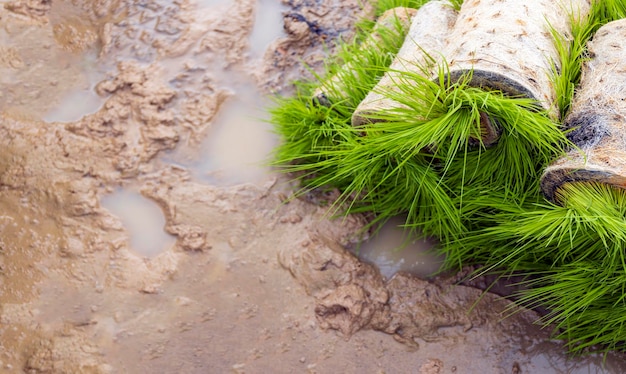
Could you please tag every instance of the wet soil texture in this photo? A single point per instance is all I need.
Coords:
(110, 99)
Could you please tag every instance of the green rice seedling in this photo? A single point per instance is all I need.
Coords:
(384, 5)
(443, 119)
(536, 232)
(604, 11)
(447, 118)
(586, 285)
(572, 48)
(312, 133)
(586, 303)
(422, 157)
(305, 126)
(325, 150)
(573, 254)
(389, 184)
(420, 160)
(571, 53)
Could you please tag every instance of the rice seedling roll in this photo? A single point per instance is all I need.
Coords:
(420, 50)
(597, 120)
(390, 23)
(508, 45)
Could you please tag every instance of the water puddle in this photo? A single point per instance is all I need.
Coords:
(78, 103)
(392, 251)
(268, 26)
(75, 106)
(239, 143)
(237, 146)
(545, 357)
(143, 219)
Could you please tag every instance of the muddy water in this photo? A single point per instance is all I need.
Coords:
(238, 146)
(79, 102)
(254, 281)
(268, 26)
(237, 142)
(143, 219)
(392, 249)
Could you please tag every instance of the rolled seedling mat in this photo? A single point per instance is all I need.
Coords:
(420, 161)
(393, 20)
(421, 49)
(508, 45)
(597, 120)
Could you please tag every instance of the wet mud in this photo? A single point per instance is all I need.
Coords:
(252, 277)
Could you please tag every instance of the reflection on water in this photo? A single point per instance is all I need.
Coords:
(392, 251)
(268, 22)
(40, 78)
(75, 106)
(238, 144)
(268, 25)
(143, 219)
(236, 148)
(548, 357)
(80, 101)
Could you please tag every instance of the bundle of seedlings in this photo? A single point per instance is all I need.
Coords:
(572, 245)
(315, 117)
(421, 48)
(458, 140)
(448, 136)
(380, 41)
(316, 131)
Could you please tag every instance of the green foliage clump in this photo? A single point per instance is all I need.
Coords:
(572, 48)
(426, 160)
(574, 252)
(421, 160)
(574, 257)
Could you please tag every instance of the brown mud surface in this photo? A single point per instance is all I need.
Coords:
(256, 282)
